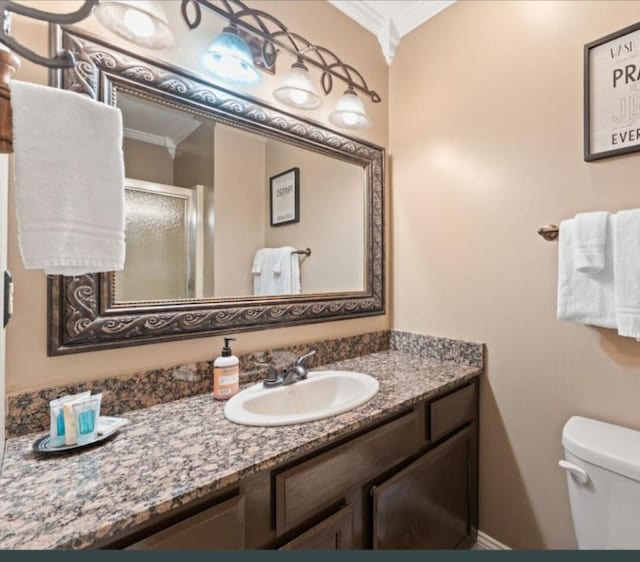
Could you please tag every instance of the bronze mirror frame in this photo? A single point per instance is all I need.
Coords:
(82, 313)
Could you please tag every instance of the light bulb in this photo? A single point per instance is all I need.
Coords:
(229, 57)
(349, 118)
(298, 96)
(296, 89)
(139, 23)
(231, 68)
(143, 22)
(349, 112)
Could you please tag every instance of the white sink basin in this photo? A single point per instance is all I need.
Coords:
(321, 395)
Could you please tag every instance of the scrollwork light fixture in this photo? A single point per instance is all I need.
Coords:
(297, 89)
(144, 23)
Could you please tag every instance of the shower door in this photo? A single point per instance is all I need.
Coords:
(164, 257)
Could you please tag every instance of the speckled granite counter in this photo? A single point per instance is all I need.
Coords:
(173, 453)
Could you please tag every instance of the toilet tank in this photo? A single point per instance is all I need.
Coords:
(605, 502)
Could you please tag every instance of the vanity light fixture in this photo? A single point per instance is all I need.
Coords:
(297, 89)
(274, 38)
(145, 23)
(230, 57)
(142, 22)
(349, 112)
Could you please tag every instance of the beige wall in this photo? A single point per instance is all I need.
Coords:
(28, 367)
(148, 162)
(239, 197)
(486, 146)
(332, 214)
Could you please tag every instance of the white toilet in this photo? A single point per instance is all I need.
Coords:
(603, 472)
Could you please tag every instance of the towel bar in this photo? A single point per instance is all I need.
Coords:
(9, 63)
(549, 232)
(306, 252)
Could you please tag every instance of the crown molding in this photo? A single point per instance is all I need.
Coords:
(389, 29)
(170, 143)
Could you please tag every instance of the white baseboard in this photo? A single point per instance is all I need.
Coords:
(485, 542)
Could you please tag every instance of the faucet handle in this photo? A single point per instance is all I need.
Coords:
(302, 358)
(272, 378)
(273, 372)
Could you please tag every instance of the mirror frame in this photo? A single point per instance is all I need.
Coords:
(82, 312)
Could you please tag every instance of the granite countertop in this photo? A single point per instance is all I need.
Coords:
(176, 452)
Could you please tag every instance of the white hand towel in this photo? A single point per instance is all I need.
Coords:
(627, 272)
(586, 298)
(69, 178)
(288, 281)
(590, 238)
(266, 270)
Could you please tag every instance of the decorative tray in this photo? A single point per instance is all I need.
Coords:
(43, 444)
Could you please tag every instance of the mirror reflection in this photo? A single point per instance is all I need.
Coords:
(215, 211)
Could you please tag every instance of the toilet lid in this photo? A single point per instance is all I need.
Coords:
(608, 446)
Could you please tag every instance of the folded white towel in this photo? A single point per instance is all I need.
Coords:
(266, 268)
(276, 271)
(586, 298)
(69, 178)
(590, 238)
(627, 272)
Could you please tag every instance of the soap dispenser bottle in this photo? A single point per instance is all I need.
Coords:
(226, 373)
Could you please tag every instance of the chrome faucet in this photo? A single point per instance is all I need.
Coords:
(297, 372)
(289, 376)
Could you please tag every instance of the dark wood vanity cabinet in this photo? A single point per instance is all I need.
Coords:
(333, 533)
(220, 527)
(432, 502)
(409, 482)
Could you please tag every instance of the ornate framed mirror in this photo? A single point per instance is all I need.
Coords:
(202, 255)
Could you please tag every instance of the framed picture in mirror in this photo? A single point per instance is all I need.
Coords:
(284, 194)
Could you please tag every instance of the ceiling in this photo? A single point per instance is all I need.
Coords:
(390, 20)
(155, 123)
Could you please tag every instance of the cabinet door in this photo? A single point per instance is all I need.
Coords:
(313, 485)
(432, 502)
(218, 528)
(334, 533)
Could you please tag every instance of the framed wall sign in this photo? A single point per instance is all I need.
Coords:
(284, 191)
(612, 94)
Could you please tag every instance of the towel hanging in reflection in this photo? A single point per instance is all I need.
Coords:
(276, 271)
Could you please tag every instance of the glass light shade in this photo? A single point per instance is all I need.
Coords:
(297, 89)
(142, 22)
(349, 112)
(229, 57)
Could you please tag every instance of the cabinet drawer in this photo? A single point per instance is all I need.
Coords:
(334, 533)
(452, 411)
(220, 527)
(312, 485)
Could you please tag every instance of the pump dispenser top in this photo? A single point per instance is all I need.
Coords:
(226, 350)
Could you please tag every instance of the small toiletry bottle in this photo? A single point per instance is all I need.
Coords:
(226, 373)
(86, 414)
(68, 423)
